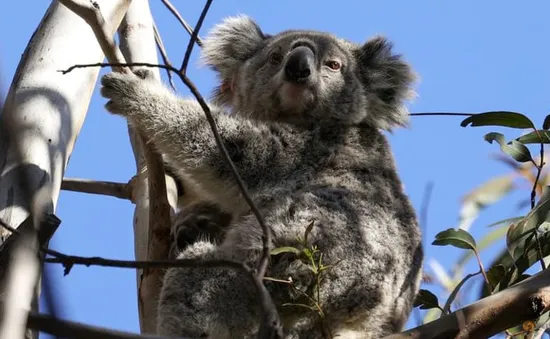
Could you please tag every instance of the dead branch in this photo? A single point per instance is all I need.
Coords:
(113, 189)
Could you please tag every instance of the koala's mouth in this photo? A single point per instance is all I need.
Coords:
(295, 97)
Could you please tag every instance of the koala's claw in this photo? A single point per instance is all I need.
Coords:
(205, 221)
(122, 90)
(144, 73)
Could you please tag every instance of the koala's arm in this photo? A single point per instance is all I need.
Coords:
(178, 128)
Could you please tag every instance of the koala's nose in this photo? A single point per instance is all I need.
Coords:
(299, 64)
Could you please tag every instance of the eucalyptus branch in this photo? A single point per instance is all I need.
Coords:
(113, 189)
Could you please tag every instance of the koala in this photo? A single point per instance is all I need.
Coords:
(301, 114)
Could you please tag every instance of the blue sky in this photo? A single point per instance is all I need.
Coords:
(472, 56)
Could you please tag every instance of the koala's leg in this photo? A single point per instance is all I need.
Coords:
(207, 302)
(201, 221)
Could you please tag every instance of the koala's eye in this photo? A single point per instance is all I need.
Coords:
(275, 58)
(334, 65)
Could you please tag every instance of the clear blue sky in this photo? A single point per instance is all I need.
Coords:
(472, 56)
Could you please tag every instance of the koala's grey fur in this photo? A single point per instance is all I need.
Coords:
(310, 153)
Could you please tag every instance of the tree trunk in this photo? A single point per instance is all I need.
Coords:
(43, 113)
(137, 43)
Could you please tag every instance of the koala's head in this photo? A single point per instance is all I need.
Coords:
(302, 76)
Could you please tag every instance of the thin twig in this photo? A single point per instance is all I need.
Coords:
(69, 329)
(271, 326)
(70, 260)
(443, 114)
(164, 55)
(194, 36)
(185, 25)
(266, 237)
(533, 196)
(119, 64)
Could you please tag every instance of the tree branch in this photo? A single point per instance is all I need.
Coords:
(113, 189)
(527, 300)
(69, 329)
(90, 12)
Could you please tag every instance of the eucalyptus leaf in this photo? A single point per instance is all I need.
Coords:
(426, 300)
(528, 258)
(539, 214)
(506, 222)
(546, 123)
(486, 241)
(514, 148)
(285, 249)
(499, 118)
(495, 274)
(504, 259)
(535, 137)
(457, 238)
(308, 231)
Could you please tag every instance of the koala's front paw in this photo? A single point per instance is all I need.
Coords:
(204, 220)
(126, 91)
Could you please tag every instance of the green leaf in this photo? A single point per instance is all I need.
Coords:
(506, 222)
(514, 148)
(452, 296)
(482, 244)
(539, 214)
(457, 238)
(535, 137)
(504, 259)
(426, 300)
(495, 274)
(529, 256)
(308, 231)
(546, 123)
(499, 118)
(285, 249)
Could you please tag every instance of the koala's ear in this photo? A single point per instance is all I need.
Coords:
(230, 43)
(388, 81)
